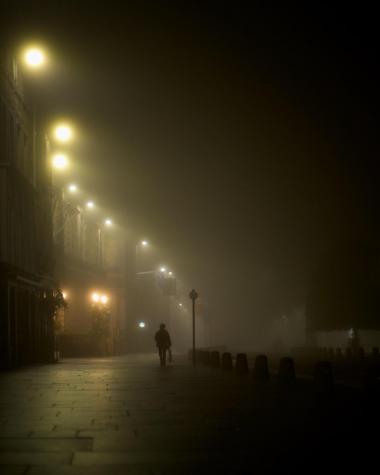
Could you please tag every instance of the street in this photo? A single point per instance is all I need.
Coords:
(85, 415)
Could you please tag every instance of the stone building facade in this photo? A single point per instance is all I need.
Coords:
(90, 262)
(26, 258)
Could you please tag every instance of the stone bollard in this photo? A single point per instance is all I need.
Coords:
(215, 359)
(286, 372)
(260, 370)
(227, 361)
(206, 358)
(241, 365)
(323, 378)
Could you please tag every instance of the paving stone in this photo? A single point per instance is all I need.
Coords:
(92, 470)
(141, 419)
(140, 457)
(47, 444)
(35, 458)
(13, 469)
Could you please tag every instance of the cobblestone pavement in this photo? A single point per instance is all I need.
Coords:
(126, 415)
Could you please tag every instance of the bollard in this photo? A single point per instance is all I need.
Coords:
(198, 356)
(227, 361)
(286, 372)
(260, 370)
(241, 365)
(323, 378)
(215, 359)
(206, 358)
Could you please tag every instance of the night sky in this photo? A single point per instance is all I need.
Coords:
(241, 140)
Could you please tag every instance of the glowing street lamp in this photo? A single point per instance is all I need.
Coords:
(90, 205)
(142, 324)
(180, 305)
(108, 222)
(144, 243)
(104, 299)
(63, 133)
(163, 269)
(95, 297)
(60, 161)
(34, 57)
(72, 188)
(170, 273)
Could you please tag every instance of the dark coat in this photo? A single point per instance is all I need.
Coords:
(162, 338)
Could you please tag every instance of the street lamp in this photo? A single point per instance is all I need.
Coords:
(163, 269)
(34, 57)
(104, 299)
(142, 324)
(95, 297)
(90, 205)
(63, 133)
(60, 161)
(108, 222)
(144, 243)
(72, 188)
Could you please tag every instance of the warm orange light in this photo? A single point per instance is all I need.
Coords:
(34, 57)
(95, 297)
(104, 299)
(63, 133)
(60, 161)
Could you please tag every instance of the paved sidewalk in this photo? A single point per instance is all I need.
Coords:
(126, 415)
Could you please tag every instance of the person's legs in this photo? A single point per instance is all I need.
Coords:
(164, 356)
(161, 352)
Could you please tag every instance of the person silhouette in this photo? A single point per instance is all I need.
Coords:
(163, 343)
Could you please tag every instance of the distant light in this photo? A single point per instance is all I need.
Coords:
(64, 295)
(104, 299)
(142, 324)
(95, 297)
(170, 273)
(163, 269)
(144, 243)
(108, 222)
(72, 188)
(60, 161)
(63, 133)
(90, 204)
(180, 304)
(34, 57)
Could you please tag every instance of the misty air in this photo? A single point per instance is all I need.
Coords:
(189, 238)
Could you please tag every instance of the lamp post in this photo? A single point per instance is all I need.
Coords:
(193, 296)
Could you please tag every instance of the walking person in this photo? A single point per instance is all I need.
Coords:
(163, 343)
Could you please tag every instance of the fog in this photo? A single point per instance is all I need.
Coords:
(242, 143)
